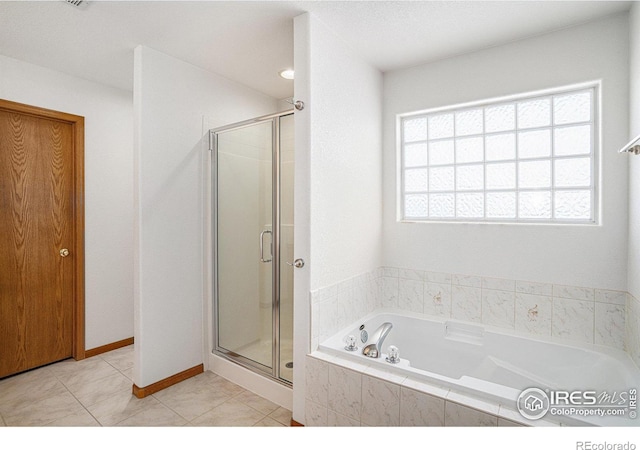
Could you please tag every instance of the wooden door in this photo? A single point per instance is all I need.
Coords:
(41, 245)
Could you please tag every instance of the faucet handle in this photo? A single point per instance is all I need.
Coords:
(393, 356)
(351, 344)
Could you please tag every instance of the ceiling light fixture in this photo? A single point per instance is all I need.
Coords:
(287, 74)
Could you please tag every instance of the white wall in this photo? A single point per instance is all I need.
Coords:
(108, 114)
(302, 212)
(634, 161)
(339, 131)
(345, 97)
(632, 340)
(172, 100)
(582, 256)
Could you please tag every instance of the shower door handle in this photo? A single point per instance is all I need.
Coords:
(262, 246)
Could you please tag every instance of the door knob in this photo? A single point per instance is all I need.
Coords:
(298, 263)
(64, 252)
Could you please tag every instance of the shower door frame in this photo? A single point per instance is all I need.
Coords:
(274, 371)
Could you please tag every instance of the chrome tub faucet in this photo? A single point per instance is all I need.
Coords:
(374, 350)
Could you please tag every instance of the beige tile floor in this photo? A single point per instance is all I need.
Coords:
(97, 392)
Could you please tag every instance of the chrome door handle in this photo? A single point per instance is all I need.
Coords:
(298, 263)
(262, 246)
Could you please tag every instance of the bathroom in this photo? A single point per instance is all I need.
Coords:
(570, 279)
(358, 254)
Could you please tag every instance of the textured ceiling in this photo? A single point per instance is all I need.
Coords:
(251, 41)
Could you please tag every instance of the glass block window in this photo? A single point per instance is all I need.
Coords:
(531, 158)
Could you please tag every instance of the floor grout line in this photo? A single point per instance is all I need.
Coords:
(86, 408)
(229, 392)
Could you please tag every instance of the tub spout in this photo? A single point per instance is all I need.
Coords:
(374, 350)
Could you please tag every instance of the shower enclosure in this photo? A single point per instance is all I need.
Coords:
(252, 169)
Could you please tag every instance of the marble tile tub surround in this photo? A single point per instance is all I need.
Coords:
(359, 395)
(581, 314)
(334, 307)
(632, 329)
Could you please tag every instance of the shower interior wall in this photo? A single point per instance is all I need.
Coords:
(248, 153)
(287, 168)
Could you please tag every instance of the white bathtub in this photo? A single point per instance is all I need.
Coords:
(490, 364)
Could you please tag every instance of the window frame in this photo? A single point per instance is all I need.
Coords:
(595, 151)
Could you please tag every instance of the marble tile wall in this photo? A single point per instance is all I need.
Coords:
(580, 314)
(334, 307)
(586, 315)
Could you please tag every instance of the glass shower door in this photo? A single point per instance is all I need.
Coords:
(253, 165)
(245, 243)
